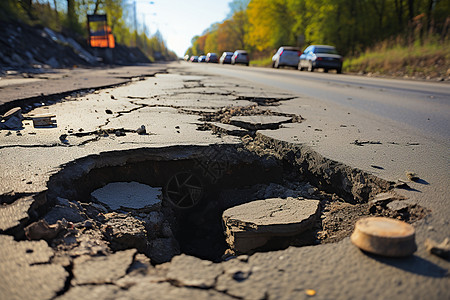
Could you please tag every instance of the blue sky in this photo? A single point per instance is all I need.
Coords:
(180, 20)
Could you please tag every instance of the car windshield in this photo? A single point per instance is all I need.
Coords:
(325, 50)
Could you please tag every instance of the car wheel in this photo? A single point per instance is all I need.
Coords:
(247, 64)
(310, 67)
(339, 71)
(325, 70)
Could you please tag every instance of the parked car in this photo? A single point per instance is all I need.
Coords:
(286, 56)
(193, 58)
(240, 57)
(202, 58)
(186, 57)
(212, 58)
(226, 58)
(320, 56)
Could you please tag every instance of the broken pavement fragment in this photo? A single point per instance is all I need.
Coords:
(102, 269)
(259, 122)
(128, 195)
(44, 120)
(190, 271)
(12, 119)
(250, 226)
(25, 270)
(384, 236)
(17, 213)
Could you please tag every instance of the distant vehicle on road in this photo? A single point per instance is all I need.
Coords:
(202, 58)
(286, 56)
(186, 57)
(194, 58)
(240, 57)
(212, 58)
(320, 56)
(226, 58)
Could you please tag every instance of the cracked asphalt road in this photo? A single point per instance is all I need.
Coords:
(171, 106)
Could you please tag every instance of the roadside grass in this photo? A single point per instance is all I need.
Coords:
(262, 62)
(428, 60)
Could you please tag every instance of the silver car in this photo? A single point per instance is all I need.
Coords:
(286, 56)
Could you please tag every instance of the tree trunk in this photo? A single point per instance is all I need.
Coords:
(71, 18)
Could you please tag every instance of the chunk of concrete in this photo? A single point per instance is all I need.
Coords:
(259, 122)
(15, 214)
(252, 225)
(128, 196)
(228, 129)
(65, 209)
(193, 272)
(125, 232)
(26, 272)
(102, 269)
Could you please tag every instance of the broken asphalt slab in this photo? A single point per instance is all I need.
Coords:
(335, 271)
(60, 83)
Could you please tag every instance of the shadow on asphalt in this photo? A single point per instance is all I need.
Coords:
(412, 264)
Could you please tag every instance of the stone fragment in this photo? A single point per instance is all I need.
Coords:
(141, 130)
(193, 272)
(125, 232)
(252, 225)
(65, 209)
(397, 205)
(259, 122)
(42, 230)
(412, 176)
(128, 196)
(26, 272)
(439, 249)
(384, 236)
(102, 269)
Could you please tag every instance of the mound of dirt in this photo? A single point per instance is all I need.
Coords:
(34, 49)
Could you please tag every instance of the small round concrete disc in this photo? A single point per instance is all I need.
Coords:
(384, 236)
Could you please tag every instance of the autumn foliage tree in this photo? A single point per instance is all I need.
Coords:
(351, 25)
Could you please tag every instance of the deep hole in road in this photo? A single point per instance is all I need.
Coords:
(199, 183)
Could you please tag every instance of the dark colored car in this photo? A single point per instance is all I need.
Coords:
(286, 56)
(320, 57)
(226, 58)
(193, 58)
(212, 58)
(202, 58)
(240, 57)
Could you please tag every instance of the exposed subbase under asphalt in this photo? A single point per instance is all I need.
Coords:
(198, 184)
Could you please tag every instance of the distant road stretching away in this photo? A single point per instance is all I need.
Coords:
(423, 106)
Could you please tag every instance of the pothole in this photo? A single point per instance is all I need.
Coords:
(198, 186)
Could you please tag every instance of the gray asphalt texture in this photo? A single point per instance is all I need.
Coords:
(162, 103)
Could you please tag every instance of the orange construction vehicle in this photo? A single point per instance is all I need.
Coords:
(100, 35)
